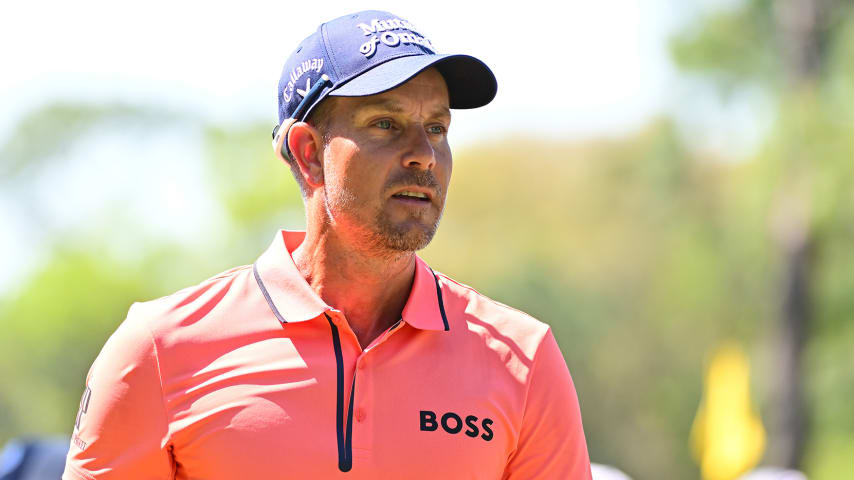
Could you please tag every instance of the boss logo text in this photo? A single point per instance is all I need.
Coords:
(453, 424)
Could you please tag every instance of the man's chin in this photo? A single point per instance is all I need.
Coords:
(406, 238)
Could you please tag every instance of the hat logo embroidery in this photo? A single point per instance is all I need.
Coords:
(389, 38)
(310, 65)
(307, 87)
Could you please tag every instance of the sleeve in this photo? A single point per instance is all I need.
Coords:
(551, 441)
(121, 429)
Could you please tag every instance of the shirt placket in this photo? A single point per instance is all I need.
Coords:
(359, 425)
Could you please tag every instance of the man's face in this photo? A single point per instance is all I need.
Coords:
(387, 164)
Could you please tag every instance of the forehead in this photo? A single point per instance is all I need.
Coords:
(426, 91)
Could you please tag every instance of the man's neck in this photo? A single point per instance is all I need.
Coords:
(370, 289)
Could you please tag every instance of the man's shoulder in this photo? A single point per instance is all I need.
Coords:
(194, 303)
(490, 317)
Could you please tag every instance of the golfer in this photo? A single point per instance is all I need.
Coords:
(340, 353)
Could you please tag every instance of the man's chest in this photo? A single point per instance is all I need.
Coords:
(305, 408)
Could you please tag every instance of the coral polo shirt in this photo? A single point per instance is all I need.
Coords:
(251, 375)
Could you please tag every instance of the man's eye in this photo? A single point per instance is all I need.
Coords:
(436, 129)
(384, 124)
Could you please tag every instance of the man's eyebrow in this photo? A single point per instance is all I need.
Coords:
(442, 111)
(395, 107)
(382, 104)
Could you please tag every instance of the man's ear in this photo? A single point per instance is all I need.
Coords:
(306, 144)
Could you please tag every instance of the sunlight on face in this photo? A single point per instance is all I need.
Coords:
(387, 164)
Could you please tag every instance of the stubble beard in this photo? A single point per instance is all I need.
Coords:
(404, 237)
(380, 235)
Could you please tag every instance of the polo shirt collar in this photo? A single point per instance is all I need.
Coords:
(292, 299)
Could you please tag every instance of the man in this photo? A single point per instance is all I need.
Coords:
(340, 353)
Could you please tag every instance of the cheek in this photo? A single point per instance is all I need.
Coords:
(353, 185)
(361, 181)
(444, 167)
(339, 158)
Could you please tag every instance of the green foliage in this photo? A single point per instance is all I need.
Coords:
(257, 192)
(734, 47)
(52, 129)
(52, 331)
(801, 175)
(254, 187)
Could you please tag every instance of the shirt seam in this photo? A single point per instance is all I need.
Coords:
(166, 416)
(528, 383)
(330, 54)
(487, 298)
(230, 272)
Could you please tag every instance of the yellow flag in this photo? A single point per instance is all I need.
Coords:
(727, 436)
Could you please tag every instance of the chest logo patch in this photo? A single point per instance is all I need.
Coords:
(454, 423)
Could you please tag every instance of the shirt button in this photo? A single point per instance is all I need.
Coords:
(360, 414)
(361, 365)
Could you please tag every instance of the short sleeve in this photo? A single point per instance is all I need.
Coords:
(121, 429)
(551, 440)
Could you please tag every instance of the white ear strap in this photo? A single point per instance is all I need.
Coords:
(280, 139)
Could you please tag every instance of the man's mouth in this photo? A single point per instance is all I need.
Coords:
(410, 195)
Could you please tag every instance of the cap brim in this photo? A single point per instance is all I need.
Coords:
(471, 83)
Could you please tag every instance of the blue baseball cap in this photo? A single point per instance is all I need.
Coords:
(368, 53)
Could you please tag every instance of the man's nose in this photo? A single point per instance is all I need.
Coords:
(420, 152)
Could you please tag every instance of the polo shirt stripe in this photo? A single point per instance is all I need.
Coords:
(267, 294)
(348, 440)
(441, 302)
(345, 446)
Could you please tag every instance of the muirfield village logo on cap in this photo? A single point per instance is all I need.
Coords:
(386, 32)
(388, 37)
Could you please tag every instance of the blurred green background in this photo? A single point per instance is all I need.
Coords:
(644, 251)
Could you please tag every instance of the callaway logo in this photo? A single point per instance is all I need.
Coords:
(388, 37)
(311, 65)
(307, 87)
